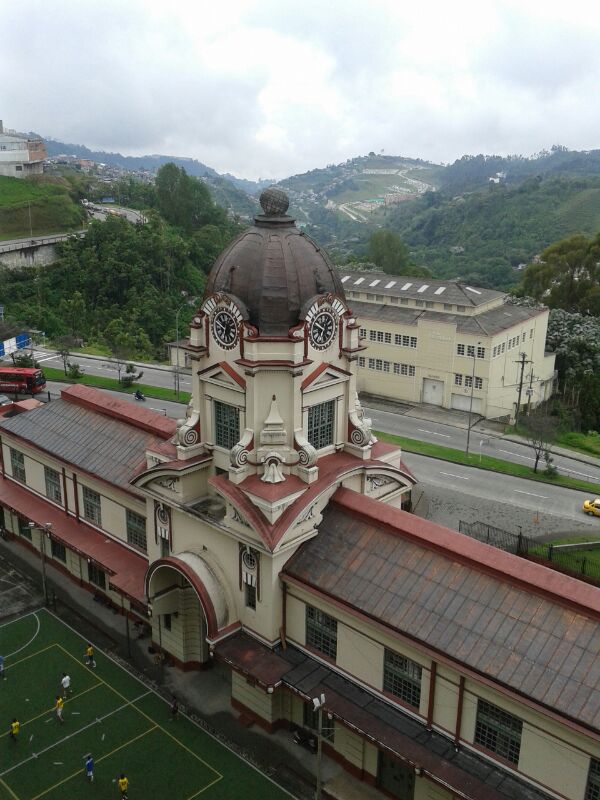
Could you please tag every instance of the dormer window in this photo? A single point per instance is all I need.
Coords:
(320, 424)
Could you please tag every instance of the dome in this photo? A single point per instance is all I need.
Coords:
(274, 269)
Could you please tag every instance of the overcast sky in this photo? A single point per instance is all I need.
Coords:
(270, 89)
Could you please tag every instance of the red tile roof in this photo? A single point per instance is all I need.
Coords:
(125, 567)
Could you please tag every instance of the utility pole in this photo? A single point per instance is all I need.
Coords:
(318, 703)
(522, 361)
(529, 392)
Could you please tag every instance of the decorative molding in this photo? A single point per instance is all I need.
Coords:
(188, 429)
(307, 455)
(237, 517)
(377, 481)
(238, 457)
(360, 433)
(172, 484)
(273, 472)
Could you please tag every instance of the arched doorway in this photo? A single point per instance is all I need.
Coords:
(189, 607)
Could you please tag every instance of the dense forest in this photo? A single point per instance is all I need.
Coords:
(122, 284)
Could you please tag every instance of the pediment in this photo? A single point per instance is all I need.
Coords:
(223, 374)
(324, 375)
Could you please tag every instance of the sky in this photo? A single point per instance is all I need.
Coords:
(270, 89)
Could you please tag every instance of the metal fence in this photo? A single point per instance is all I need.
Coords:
(579, 564)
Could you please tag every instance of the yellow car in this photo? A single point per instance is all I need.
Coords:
(592, 507)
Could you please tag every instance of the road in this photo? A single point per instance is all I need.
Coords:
(401, 424)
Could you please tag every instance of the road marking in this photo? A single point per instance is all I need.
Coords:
(433, 433)
(517, 455)
(542, 496)
(48, 358)
(452, 475)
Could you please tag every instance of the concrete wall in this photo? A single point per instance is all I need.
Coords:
(29, 256)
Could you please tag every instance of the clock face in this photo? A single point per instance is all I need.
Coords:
(224, 328)
(322, 330)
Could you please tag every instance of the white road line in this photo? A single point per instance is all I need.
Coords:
(518, 455)
(433, 433)
(541, 496)
(452, 475)
(48, 358)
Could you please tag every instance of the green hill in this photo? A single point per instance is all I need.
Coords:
(37, 206)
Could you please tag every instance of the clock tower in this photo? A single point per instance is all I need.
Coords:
(273, 429)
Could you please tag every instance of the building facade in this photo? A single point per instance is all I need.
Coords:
(20, 156)
(269, 529)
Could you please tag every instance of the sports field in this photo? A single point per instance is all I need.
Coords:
(127, 728)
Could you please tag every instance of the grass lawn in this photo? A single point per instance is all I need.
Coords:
(485, 462)
(578, 561)
(119, 720)
(160, 393)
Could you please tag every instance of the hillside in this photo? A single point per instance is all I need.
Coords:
(37, 205)
(484, 236)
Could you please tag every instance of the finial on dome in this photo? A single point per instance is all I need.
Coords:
(274, 202)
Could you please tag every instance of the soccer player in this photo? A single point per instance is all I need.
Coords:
(14, 729)
(89, 656)
(89, 767)
(59, 708)
(123, 784)
(174, 708)
(65, 682)
(2, 675)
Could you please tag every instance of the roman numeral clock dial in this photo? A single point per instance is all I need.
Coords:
(322, 322)
(225, 323)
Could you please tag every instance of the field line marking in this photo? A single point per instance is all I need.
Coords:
(98, 760)
(96, 721)
(33, 655)
(208, 786)
(49, 710)
(37, 619)
(9, 790)
(17, 619)
(208, 733)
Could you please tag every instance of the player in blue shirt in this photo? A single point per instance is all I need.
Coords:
(89, 767)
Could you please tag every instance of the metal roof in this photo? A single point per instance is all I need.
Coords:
(534, 644)
(416, 288)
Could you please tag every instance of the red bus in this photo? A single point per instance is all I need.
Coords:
(22, 380)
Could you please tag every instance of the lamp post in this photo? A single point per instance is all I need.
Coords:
(188, 302)
(44, 532)
(471, 398)
(318, 703)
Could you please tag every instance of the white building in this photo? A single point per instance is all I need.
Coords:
(20, 156)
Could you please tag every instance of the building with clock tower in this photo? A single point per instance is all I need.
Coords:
(273, 429)
(269, 530)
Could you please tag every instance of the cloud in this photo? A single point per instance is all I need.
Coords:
(271, 89)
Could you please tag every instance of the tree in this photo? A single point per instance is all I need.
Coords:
(130, 377)
(388, 252)
(64, 345)
(541, 430)
(73, 313)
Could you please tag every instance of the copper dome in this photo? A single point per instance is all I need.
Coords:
(274, 269)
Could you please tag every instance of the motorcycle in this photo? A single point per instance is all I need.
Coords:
(306, 739)
(139, 396)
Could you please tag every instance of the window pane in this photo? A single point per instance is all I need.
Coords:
(91, 506)
(321, 632)
(17, 462)
(96, 576)
(53, 489)
(58, 550)
(136, 529)
(498, 731)
(320, 424)
(250, 595)
(402, 678)
(227, 425)
(593, 785)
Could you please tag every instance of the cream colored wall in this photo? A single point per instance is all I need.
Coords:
(426, 790)
(267, 706)
(551, 753)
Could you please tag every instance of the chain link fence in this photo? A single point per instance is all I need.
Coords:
(578, 564)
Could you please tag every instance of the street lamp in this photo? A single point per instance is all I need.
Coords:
(44, 532)
(471, 399)
(318, 703)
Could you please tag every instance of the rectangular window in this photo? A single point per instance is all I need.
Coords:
(371, 363)
(370, 296)
(167, 622)
(53, 490)
(373, 336)
(386, 366)
(91, 506)
(428, 304)
(362, 361)
(404, 301)
(394, 300)
(419, 303)
(471, 350)
(379, 298)
(249, 596)
(96, 576)
(498, 731)
(478, 383)
(531, 334)
(17, 462)
(468, 381)
(460, 349)
(24, 529)
(523, 336)
(387, 338)
(402, 678)
(165, 548)
(321, 632)
(362, 333)
(592, 791)
(460, 308)
(481, 352)
(503, 346)
(136, 529)
(58, 550)
(411, 370)
(447, 306)
(320, 424)
(378, 364)
(458, 379)
(227, 425)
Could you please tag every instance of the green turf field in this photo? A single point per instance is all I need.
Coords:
(126, 727)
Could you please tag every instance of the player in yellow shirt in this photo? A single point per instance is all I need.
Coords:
(14, 729)
(59, 708)
(89, 656)
(123, 784)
